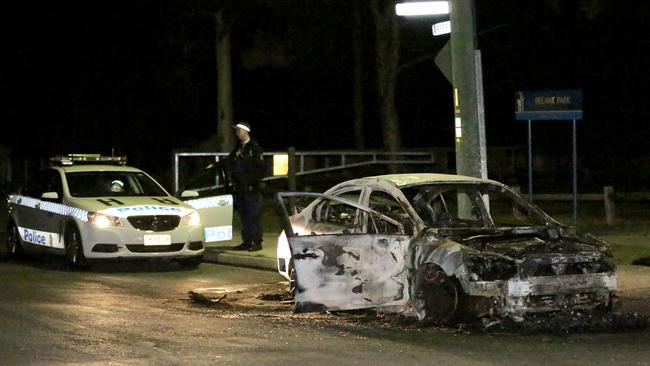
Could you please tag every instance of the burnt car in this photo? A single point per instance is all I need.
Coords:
(439, 248)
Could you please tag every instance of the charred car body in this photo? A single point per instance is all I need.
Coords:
(437, 247)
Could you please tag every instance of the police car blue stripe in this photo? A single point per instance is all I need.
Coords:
(57, 208)
(209, 202)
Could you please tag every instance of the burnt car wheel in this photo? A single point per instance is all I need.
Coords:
(292, 280)
(74, 253)
(442, 296)
(14, 248)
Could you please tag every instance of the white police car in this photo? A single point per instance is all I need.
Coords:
(94, 207)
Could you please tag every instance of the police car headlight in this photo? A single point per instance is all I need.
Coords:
(103, 221)
(193, 219)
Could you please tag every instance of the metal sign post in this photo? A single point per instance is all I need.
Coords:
(530, 162)
(575, 174)
(550, 105)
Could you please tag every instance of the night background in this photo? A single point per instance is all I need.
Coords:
(139, 78)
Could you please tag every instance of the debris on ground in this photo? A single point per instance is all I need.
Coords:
(275, 297)
(572, 322)
(275, 301)
(202, 299)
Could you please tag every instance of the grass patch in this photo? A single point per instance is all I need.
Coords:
(628, 248)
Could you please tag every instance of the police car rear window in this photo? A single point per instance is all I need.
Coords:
(112, 184)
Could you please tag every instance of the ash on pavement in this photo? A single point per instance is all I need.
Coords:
(273, 301)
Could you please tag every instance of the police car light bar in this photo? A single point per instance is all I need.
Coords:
(72, 159)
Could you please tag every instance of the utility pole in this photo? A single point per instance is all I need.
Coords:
(467, 83)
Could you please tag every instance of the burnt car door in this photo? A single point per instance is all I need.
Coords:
(346, 256)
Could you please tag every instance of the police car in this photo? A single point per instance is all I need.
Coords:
(94, 207)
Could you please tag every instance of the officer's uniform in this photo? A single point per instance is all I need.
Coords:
(246, 168)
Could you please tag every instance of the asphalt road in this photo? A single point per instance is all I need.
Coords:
(140, 314)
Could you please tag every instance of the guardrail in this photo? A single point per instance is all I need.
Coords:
(302, 163)
(608, 197)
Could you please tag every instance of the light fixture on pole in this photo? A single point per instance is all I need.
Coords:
(422, 8)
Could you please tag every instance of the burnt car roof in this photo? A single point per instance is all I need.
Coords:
(408, 179)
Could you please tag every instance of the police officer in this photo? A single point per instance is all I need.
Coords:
(246, 169)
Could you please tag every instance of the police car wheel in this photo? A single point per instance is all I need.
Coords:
(74, 253)
(14, 249)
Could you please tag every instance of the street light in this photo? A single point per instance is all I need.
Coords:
(467, 80)
(422, 8)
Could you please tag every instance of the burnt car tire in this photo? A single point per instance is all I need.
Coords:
(442, 297)
(14, 247)
(292, 280)
(74, 253)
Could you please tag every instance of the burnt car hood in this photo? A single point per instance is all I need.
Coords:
(520, 242)
(502, 253)
(513, 272)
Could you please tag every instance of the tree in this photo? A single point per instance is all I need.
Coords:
(223, 24)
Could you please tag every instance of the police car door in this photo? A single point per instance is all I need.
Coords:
(215, 209)
(216, 216)
(343, 255)
(38, 218)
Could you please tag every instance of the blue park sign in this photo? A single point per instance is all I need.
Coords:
(548, 105)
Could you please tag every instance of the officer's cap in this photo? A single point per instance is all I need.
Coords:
(243, 125)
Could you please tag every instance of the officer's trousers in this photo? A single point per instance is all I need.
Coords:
(249, 206)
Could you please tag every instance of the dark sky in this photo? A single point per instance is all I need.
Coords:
(139, 76)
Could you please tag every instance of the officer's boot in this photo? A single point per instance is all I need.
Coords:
(255, 246)
(243, 246)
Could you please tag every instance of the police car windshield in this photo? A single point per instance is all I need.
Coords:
(107, 184)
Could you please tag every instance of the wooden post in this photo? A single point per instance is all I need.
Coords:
(291, 175)
(610, 209)
(26, 169)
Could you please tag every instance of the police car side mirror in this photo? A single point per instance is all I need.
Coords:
(188, 194)
(50, 196)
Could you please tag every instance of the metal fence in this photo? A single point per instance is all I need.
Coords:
(306, 162)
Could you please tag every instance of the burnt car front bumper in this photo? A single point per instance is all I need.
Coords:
(516, 297)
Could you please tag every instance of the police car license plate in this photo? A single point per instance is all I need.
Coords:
(157, 239)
